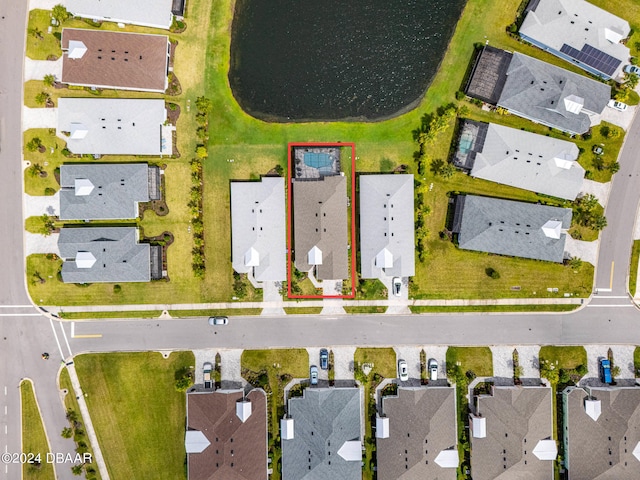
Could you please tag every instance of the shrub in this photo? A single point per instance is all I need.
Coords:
(460, 95)
(492, 273)
(117, 289)
(586, 135)
(49, 191)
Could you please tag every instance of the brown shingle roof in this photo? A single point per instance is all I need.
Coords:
(116, 60)
(238, 451)
(422, 423)
(602, 449)
(320, 219)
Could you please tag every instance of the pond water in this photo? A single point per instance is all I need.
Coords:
(294, 60)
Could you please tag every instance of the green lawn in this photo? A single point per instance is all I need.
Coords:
(302, 310)
(128, 314)
(636, 360)
(477, 359)
(137, 413)
(34, 439)
(384, 366)
(566, 357)
(70, 403)
(272, 370)
(363, 310)
(494, 308)
(231, 312)
(633, 267)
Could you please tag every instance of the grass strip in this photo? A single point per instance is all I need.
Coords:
(34, 438)
(493, 308)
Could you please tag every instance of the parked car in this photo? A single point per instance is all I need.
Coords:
(218, 320)
(634, 69)
(621, 107)
(433, 369)
(397, 285)
(313, 375)
(324, 359)
(206, 370)
(605, 371)
(403, 371)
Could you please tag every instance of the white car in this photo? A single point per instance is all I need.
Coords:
(633, 69)
(433, 369)
(621, 107)
(403, 371)
(397, 286)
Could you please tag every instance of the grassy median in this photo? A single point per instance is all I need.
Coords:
(34, 438)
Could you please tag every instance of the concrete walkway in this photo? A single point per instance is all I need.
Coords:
(587, 251)
(43, 4)
(86, 418)
(39, 118)
(37, 69)
(315, 303)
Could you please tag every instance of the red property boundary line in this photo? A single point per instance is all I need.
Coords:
(290, 147)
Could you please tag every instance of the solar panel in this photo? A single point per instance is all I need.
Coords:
(593, 57)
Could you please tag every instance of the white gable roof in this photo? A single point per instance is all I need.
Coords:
(552, 229)
(286, 428)
(573, 103)
(195, 441)
(85, 259)
(382, 427)
(384, 259)
(636, 451)
(251, 258)
(593, 408)
(83, 187)
(479, 426)
(314, 257)
(351, 451)
(546, 450)
(243, 409)
(77, 49)
(448, 458)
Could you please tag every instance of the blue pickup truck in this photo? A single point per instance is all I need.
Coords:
(605, 371)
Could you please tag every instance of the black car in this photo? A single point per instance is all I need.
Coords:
(324, 359)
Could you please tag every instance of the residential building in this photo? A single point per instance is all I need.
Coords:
(320, 235)
(113, 126)
(520, 159)
(258, 230)
(226, 436)
(105, 59)
(106, 191)
(416, 435)
(512, 434)
(506, 227)
(538, 91)
(387, 238)
(321, 435)
(578, 32)
(107, 254)
(146, 13)
(601, 433)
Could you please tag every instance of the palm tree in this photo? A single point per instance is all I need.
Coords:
(59, 13)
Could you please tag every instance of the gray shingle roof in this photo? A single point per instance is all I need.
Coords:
(258, 223)
(511, 228)
(149, 13)
(517, 418)
(576, 22)
(112, 126)
(529, 161)
(320, 220)
(543, 92)
(612, 438)
(111, 254)
(113, 192)
(422, 423)
(386, 222)
(324, 419)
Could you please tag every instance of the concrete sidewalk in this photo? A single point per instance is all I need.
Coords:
(316, 303)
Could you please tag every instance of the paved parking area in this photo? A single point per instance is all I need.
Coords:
(35, 243)
(35, 206)
(411, 355)
(37, 69)
(202, 356)
(343, 362)
(621, 119)
(622, 357)
(230, 367)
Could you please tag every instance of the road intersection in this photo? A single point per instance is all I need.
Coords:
(25, 332)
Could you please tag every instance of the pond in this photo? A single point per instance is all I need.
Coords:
(302, 60)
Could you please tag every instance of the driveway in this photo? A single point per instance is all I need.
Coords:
(314, 359)
(230, 368)
(43, 4)
(587, 251)
(411, 355)
(271, 297)
(35, 243)
(39, 118)
(622, 357)
(502, 364)
(37, 69)
(202, 356)
(621, 119)
(529, 359)
(343, 362)
(439, 353)
(597, 189)
(35, 206)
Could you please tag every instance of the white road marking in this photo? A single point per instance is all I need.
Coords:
(53, 328)
(64, 334)
(5, 389)
(20, 315)
(16, 306)
(598, 290)
(612, 296)
(73, 329)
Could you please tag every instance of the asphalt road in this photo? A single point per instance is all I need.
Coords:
(617, 237)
